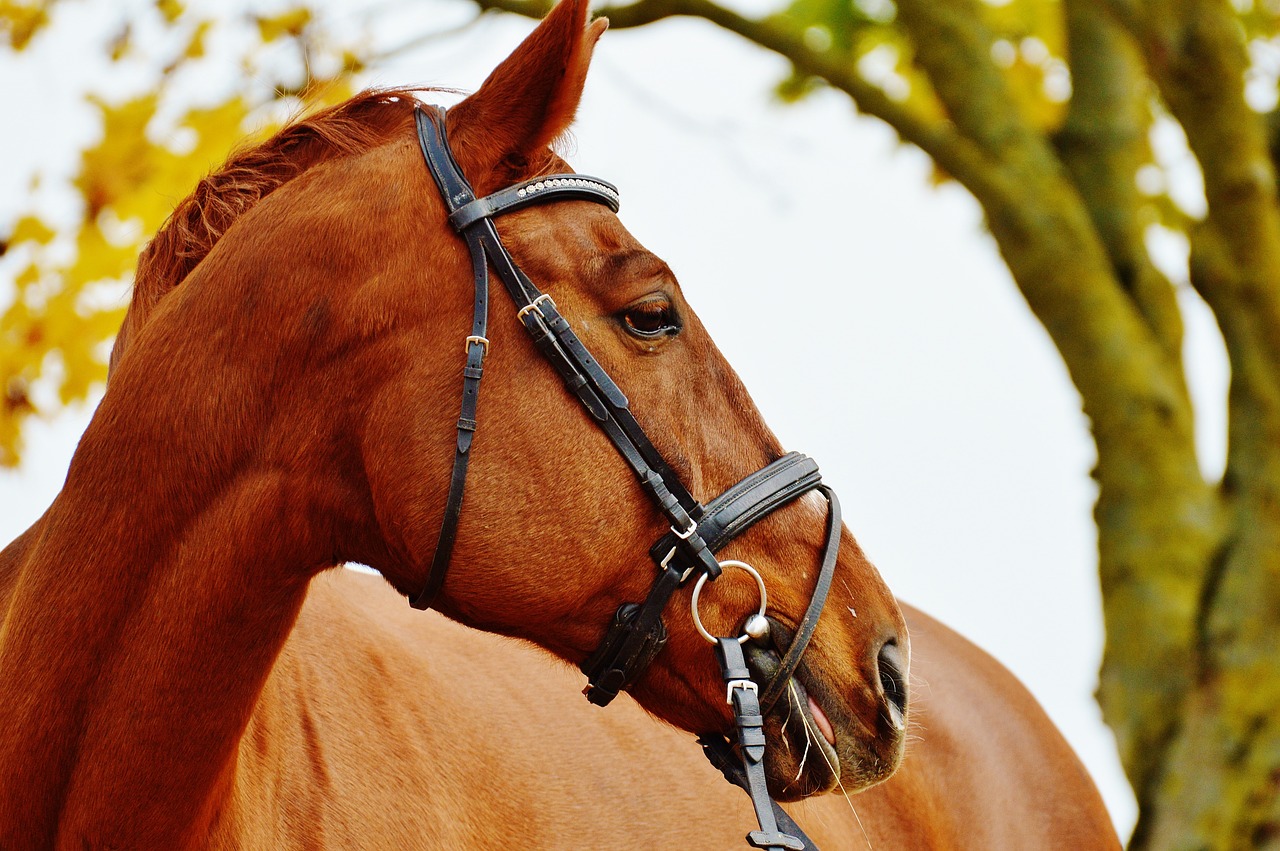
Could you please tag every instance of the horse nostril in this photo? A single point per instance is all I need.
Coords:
(892, 682)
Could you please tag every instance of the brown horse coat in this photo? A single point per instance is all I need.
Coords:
(484, 742)
(276, 408)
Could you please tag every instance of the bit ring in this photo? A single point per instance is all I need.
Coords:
(702, 580)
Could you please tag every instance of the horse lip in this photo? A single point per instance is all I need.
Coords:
(764, 663)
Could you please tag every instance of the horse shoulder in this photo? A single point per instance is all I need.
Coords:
(985, 767)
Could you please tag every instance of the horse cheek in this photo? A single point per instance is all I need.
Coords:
(406, 467)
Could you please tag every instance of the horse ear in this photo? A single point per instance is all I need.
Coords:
(530, 98)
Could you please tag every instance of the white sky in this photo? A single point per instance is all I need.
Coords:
(866, 309)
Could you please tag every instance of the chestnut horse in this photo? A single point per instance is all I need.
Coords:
(290, 406)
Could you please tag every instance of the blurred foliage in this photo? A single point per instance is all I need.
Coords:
(68, 278)
(865, 34)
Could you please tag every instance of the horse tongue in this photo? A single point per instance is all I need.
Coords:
(824, 724)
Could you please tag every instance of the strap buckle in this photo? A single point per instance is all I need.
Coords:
(747, 685)
(684, 536)
(687, 533)
(483, 341)
(535, 305)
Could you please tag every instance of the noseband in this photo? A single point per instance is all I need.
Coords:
(636, 634)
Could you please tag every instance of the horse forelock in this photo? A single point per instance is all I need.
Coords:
(249, 175)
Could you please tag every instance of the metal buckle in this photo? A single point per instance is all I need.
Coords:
(684, 536)
(748, 685)
(533, 305)
(687, 533)
(481, 340)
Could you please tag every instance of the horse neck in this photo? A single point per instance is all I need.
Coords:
(131, 657)
(11, 559)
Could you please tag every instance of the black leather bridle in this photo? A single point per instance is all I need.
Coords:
(636, 634)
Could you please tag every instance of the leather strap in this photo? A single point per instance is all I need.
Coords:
(477, 347)
(749, 726)
(551, 187)
(808, 623)
(720, 753)
(741, 506)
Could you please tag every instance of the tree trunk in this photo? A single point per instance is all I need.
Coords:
(1190, 569)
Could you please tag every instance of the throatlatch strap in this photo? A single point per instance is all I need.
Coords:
(749, 725)
(477, 346)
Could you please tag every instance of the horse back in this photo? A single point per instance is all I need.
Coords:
(483, 742)
(985, 767)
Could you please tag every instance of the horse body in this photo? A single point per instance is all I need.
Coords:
(274, 408)
(483, 742)
(466, 739)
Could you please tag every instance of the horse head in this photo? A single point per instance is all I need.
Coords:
(326, 334)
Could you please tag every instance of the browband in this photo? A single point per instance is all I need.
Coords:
(554, 187)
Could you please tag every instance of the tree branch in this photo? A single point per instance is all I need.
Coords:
(1103, 143)
(952, 152)
(1195, 52)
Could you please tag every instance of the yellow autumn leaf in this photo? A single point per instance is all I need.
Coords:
(121, 159)
(195, 44)
(27, 276)
(288, 23)
(171, 10)
(31, 228)
(19, 22)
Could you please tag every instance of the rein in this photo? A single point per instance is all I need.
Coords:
(636, 634)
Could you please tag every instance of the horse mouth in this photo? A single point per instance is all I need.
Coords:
(816, 741)
(802, 759)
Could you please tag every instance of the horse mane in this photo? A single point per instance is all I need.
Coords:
(249, 175)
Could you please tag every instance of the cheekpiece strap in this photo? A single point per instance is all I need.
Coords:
(808, 623)
(749, 727)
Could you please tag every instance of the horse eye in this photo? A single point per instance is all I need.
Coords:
(650, 319)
